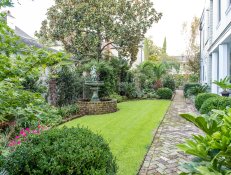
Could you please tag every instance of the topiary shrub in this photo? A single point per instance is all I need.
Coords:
(201, 98)
(189, 86)
(169, 82)
(164, 93)
(62, 151)
(219, 103)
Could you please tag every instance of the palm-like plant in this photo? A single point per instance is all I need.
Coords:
(159, 70)
(224, 84)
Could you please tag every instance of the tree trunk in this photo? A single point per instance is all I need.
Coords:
(99, 47)
(52, 92)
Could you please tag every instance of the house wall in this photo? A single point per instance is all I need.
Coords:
(216, 42)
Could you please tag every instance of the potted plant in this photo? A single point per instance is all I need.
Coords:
(224, 84)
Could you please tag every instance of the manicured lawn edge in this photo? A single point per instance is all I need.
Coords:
(155, 132)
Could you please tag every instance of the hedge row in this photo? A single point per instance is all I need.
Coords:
(206, 102)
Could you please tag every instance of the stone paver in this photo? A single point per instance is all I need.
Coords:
(163, 156)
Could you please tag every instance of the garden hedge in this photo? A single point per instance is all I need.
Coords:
(164, 93)
(201, 98)
(219, 103)
(62, 151)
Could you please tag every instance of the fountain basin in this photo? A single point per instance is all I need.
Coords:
(96, 108)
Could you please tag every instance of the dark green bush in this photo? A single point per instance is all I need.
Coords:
(219, 103)
(62, 151)
(189, 86)
(169, 82)
(128, 89)
(201, 98)
(69, 110)
(69, 85)
(164, 93)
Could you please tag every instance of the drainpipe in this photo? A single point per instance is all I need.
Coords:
(200, 54)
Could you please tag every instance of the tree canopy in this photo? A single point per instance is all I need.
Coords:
(88, 28)
(193, 48)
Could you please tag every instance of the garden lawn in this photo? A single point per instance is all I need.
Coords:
(128, 131)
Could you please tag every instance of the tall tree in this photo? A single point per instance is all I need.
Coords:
(164, 48)
(193, 48)
(151, 51)
(88, 28)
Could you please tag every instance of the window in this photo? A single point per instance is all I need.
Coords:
(219, 10)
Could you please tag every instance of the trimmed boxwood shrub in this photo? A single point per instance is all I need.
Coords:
(201, 98)
(62, 151)
(219, 103)
(189, 86)
(164, 93)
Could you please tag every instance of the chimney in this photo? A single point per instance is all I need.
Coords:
(10, 20)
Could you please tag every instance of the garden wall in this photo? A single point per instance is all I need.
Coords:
(95, 108)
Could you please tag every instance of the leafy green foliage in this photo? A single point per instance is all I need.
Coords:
(219, 103)
(6, 3)
(189, 86)
(118, 97)
(128, 89)
(212, 149)
(18, 63)
(164, 93)
(224, 83)
(158, 70)
(194, 91)
(62, 151)
(201, 98)
(68, 111)
(87, 32)
(169, 82)
(69, 85)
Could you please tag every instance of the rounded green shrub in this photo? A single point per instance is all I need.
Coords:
(164, 93)
(169, 82)
(201, 98)
(62, 151)
(219, 103)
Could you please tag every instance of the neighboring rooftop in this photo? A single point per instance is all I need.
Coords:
(26, 38)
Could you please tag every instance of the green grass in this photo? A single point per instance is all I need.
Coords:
(128, 131)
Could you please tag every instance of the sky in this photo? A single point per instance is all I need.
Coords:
(29, 15)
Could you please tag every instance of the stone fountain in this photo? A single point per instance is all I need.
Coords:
(94, 84)
(95, 106)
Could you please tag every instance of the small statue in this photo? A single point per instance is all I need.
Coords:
(93, 73)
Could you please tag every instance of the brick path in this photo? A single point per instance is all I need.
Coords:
(164, 158)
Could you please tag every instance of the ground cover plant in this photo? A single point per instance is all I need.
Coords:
(128, 131)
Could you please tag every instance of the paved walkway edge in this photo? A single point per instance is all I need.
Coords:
(155, 132)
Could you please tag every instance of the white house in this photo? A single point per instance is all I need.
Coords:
(215, 39)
